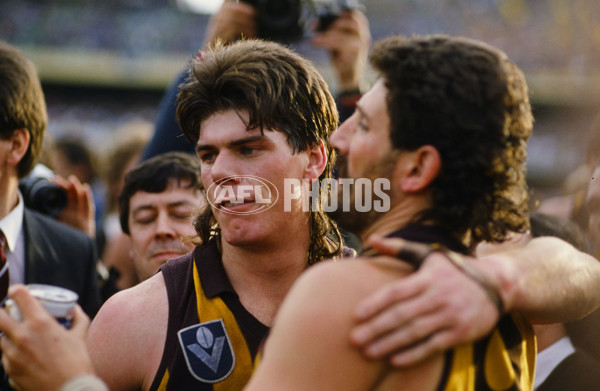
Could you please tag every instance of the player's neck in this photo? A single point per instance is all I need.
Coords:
(262, 277)
(8, 194)
(400, 214)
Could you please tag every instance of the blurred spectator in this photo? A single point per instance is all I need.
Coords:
(125, 154)
(584, 332)
(592, 205)
(167, 134)
(37, 248)
(572, 204)
(116, 257)
(348, 40)
(568, 353)
(71, 156)
(560, 364)
(159, 199)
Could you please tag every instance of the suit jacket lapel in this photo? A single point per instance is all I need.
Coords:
(39, 254)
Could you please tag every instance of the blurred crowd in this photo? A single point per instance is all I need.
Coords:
(105, 178)
(563, 33)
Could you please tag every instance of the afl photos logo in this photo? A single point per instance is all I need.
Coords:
(242, 194)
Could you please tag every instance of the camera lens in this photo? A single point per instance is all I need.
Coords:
(43, 196)
(279, 19)
(278, 9)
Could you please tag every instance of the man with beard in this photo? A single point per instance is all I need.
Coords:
(447, 123)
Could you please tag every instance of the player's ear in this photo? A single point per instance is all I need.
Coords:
(17, 148)
(423, 166)
(317, 160)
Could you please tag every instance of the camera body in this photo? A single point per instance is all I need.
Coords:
(284, 20)
(279, 20)
(327, 11)
(41, 194)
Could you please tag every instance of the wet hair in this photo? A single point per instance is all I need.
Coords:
(155, 175)
(281, 91)
(22, 104)
(471, 103)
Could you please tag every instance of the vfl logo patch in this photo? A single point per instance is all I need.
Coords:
(207, 351)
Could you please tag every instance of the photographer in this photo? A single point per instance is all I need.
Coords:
(67, 200)
(347, 39)
(36, 248)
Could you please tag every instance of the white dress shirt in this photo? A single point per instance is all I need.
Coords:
(12, 226)
(549, 358)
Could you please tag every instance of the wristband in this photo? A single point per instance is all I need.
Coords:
(412, 253)
(84, 383)
(474, 274)
(415, 254)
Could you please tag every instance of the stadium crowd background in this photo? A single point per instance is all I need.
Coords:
(105, 64)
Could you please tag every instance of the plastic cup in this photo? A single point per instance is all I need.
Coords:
(59, 302)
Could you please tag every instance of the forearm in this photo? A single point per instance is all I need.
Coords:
(547, 280)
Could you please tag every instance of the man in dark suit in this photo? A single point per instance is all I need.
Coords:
(57, 254)
(39, 249)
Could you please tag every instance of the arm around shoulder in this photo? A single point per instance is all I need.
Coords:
(547, 280)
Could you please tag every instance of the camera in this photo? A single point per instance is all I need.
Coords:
(328, 11)
(284, 20)
(279, 20)
(41, 194)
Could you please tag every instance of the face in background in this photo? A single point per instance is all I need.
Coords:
(226, 148)
(72, 157)
(593, 207)
(364, 151)
(160, 225)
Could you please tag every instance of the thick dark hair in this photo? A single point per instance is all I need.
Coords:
(281, 92)
(154, 175)
(471, 103)
(22, 104)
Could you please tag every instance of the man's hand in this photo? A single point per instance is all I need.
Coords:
(38, 353)
(432, 309)
(348, 40)
(232, 21)
(80, 210)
